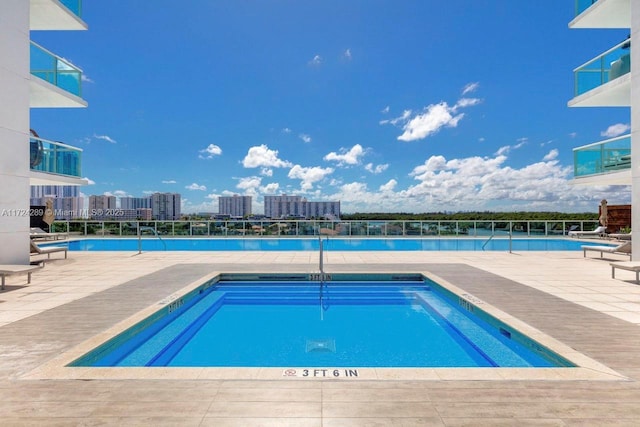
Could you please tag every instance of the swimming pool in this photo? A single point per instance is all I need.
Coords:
(294, 321)
(331, 244)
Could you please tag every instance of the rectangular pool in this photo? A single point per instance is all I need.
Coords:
(350, 321)
(331, 244)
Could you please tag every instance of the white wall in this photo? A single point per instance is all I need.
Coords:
(14, 132)
(635, 128)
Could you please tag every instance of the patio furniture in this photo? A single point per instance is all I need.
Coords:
(601, 231)
(623, 248)
(626, 265)
(48, 250)
(10, 269)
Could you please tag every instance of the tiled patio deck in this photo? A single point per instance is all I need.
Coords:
(560, 293)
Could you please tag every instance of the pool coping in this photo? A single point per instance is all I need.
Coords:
(587, 369)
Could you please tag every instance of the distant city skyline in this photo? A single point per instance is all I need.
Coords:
(385, 106)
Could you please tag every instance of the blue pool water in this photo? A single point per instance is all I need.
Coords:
(333, 244)
(286, 324)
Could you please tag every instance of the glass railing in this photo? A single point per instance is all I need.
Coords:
(55, 70)
(74, 6)
(601, 157)
(609, 66)
(582, 5)
(55, 157)
(310, 228)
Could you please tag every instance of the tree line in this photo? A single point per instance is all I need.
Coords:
(470, 216)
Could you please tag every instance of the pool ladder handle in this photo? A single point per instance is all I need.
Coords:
(154, 231)
(494, 234)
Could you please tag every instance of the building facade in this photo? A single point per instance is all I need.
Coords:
(32, 77)
(235, 206)
(298, 207)
(165, 206)
(135, 202)
(611, 79)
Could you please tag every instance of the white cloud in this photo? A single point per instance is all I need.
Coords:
(90, 181)
(266, 172)
(105, 138)
(351, 157)
(86, 79)
(169, 181)
(507, 148)
(481, 139)
(616, 130)
(470, 87)
(389, 186)
(433, 117)
(195, 186)
(347, 54)
(317, 60)
(551, 155)
(249, 183)
(304, 137)
(271, 188)
(403, 118)
(309, 176)
(481, 183)
(286, 130)
(467, 102)
(376, 169)
(430, 122)
(385, 110)
(209, 152)
(262, 156)
(573, 134)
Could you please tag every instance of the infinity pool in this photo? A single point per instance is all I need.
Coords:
(332, 244)
(402, 322)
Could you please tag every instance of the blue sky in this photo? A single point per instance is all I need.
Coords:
(387, 106)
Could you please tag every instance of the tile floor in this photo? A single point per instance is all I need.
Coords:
(564, 295)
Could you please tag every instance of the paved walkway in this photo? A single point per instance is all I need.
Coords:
(560, 293)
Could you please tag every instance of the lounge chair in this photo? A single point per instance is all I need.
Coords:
(601, 231)
(48, 250)
(39, 233)
(623, 248)
(621, 236)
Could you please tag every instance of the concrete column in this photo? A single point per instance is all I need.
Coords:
(635, 129)
(14, 132)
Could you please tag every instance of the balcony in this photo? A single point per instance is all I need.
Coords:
(56, 15)
(604, 81)
(54, 163)
(602, 14)
(54, 82)
(606, 162)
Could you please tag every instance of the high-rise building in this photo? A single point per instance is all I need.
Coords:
(101, 207)
(298, 207)
(611, 79)
(284, 206)
(329, 210)
(33, 77)
(165, 206)
(234, 206)
(135, 202)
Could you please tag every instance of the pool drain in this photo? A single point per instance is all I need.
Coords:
(321, 346)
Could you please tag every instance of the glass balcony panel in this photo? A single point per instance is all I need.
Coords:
(582, 5)
(54, 157)
(55, 70)
(602, 157)
(612, 64)
(74, 6)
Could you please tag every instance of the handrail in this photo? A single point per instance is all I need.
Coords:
(126, 226)
(494, 234)
(141, 229)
